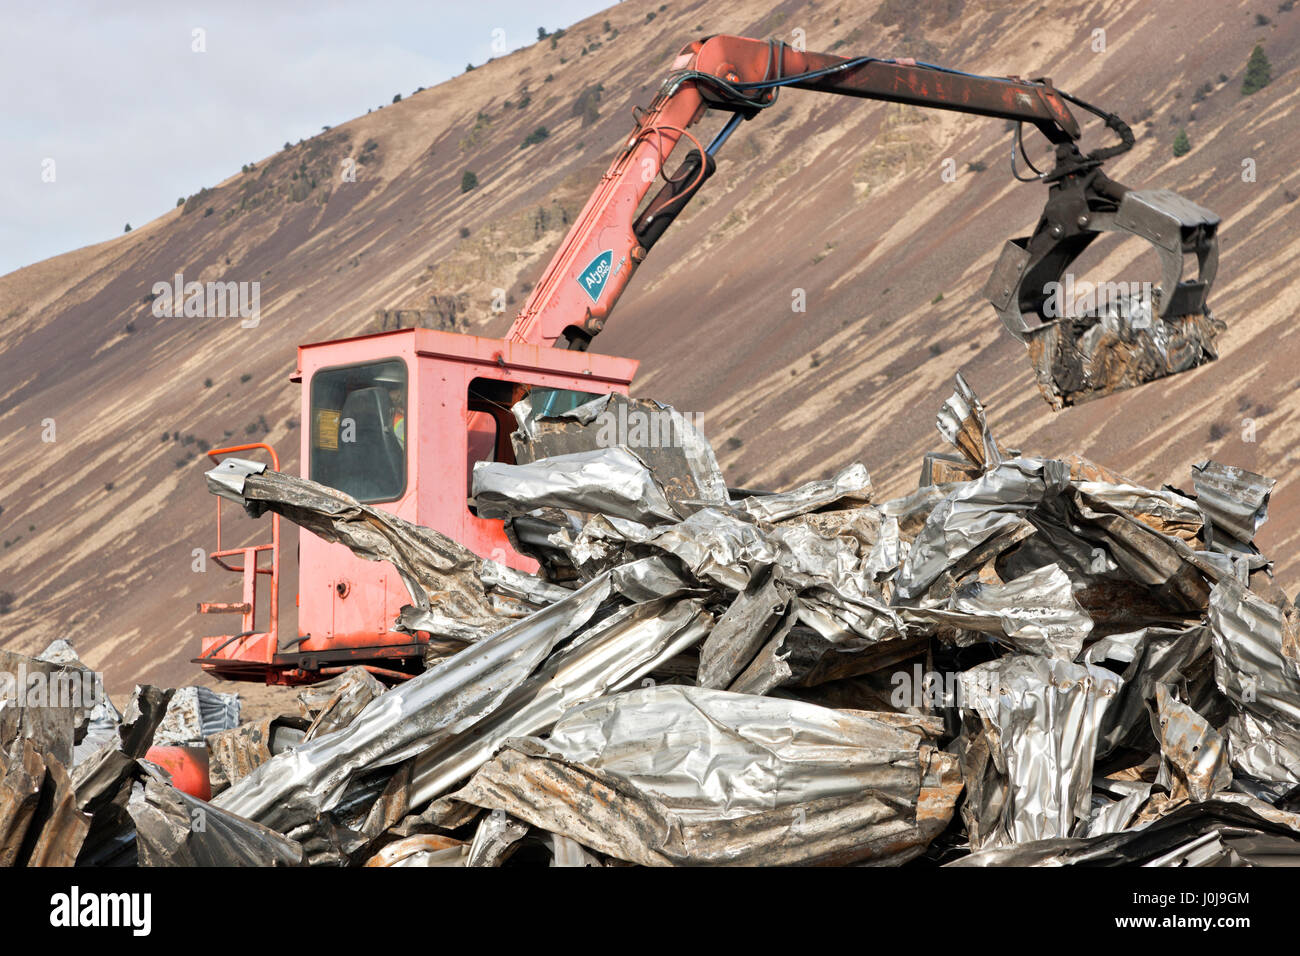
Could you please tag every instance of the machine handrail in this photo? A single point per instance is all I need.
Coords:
(249, 569)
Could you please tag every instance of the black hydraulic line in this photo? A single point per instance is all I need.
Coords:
(223, 644)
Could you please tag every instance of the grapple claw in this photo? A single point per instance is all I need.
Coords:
(1085, 344)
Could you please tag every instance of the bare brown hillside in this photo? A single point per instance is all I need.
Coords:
(840, 198)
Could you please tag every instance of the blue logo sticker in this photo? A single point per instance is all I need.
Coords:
(596, 274)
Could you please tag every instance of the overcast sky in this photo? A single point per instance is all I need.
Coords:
(133, 118)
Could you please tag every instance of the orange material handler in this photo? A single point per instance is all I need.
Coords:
(398, 419)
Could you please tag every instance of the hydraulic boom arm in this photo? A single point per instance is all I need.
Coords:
(613, 233)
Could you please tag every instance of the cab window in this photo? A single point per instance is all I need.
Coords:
(358, 429)
(548, 402)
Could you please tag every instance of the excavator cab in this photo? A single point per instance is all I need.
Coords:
(396, 420)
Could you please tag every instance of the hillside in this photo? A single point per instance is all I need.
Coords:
(841, 198)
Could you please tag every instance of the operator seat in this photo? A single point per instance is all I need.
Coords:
(372, 466)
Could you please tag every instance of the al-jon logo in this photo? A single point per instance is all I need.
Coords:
(594, 277)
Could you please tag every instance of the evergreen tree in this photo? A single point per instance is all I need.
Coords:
(1258, 72)
(1181, 145)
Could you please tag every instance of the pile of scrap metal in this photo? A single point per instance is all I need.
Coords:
(1026, 661)
(79, 784)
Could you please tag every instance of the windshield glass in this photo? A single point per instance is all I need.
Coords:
(358, 429)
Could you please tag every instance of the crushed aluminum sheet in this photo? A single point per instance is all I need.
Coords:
(40, 823)
(838, 551)
(974, 512)
(1253, 670)
(422, 850)
(1234, 816)
(944, 468)
(446, 700)
(527, 591)
(193, 714)
(567, 852)
(497, 836)
(176, 829)
(93, 727)
(1146, 553)
(234, 754)
(45, 701)
(1162, 510)
(66, 826)
(609, 657)
(95, 827)
(1194, 755)
(610, 481)
(1078, 359)
(1234, 502)
(681, 775)
(21, 777)
(963, 423)
(800, 656)
(666, 441)
(647, 578)
(1115, 806)
(1035, 614)
(716, 546)
(741, 631)
(1042, 716)
(1127, 657)
(851, 485)
(332, 704)
(1143, 659)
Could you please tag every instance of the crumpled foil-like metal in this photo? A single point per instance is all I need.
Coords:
(851, 485)
(1194, 755)
(963, 423)
(176, 829)
(1145, 659)
(1231, 816)
(422, 850)
(193, 714)
(1123, 698)
(1035, 614)
(1253, 668)
(1235, 504)
(717, 547)
(332, 704)
(974, 512)
(1079, 359)
(741, 631)
(610, 481)
(1041, 716)
(664, 440)
(234, 754)
(607, 657)
(682, 775)
(294, 786)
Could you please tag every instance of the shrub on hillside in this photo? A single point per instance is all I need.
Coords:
(536, 136)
